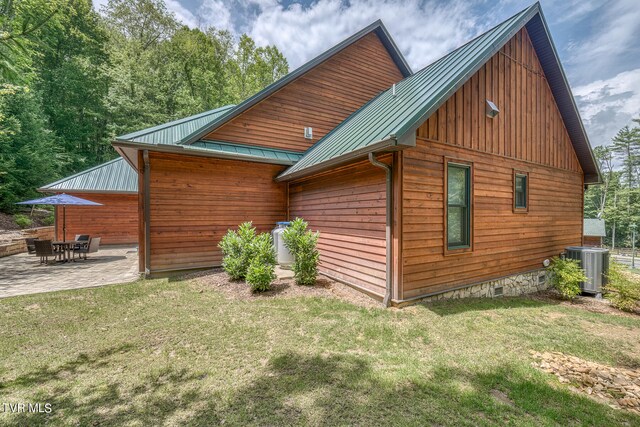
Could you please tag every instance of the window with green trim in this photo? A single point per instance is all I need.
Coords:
(520, 191)
(458, 206)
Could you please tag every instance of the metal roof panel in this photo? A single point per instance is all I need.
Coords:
(114, 176)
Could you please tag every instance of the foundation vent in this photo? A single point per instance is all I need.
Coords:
(498, 291)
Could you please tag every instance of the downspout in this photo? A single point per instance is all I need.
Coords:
(147, 214)
(389, 223)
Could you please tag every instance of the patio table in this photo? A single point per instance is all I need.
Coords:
(64, 248)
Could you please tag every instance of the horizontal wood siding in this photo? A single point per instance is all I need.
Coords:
(321, 99)
(347, 206)
(195, 200)
(527, 135)
(529, 126)
(116, 222)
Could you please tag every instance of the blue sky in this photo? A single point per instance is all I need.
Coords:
(597, 40)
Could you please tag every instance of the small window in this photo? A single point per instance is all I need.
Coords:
(458, 206)
(520, 191)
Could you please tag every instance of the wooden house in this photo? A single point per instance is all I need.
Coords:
(114, 184)
(451, 180)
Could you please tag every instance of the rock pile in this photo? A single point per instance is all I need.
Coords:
(619, 387)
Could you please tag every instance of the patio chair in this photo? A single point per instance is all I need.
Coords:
(84, 238)
(31, 248)
(92, 247)
(44, 249)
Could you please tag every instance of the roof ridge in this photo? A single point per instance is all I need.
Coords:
(376, 26)
(147, 131)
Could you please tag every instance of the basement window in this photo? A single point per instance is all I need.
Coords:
(520, 191)
(458, 215)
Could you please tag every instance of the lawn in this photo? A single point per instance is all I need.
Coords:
(174, 352)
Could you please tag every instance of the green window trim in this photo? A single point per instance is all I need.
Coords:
(458, 217)
(520, 191)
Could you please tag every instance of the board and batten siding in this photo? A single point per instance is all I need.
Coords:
(321, 98)
(527, 135)
(347, 207)
(115, 222)
(195, 200)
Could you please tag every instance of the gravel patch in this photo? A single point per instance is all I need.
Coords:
(618, 387)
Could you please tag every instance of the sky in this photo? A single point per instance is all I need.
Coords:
(597, 41)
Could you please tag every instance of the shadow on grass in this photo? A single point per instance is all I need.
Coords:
(303, 389)
(458, 306)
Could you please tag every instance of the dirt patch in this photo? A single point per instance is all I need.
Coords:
(502, 397)
(281, 288)
(38, 217)
(618, 387)
(602, 306)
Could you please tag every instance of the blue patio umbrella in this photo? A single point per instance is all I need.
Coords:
(63, 200)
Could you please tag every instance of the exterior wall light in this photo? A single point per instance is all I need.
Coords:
(492, 110)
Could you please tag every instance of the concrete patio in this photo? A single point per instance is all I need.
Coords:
(23, 274)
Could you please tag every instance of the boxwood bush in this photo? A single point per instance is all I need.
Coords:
(23, 221)
(302, 245)
(261, 271)
(623, 290)
(566, 276)
(237, 250)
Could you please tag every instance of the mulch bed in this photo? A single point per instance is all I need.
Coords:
(281, 288)
(617, 387)
(588, 303)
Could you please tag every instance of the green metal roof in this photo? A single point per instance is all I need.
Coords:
(281, 156)
(174, 132)
(115, 176)
(390, 121)
(376, 27)
(594, 227)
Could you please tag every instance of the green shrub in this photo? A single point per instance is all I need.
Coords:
(23, 221)
(261, 271)
(566, 276)
(623, 289)
(49, 220)
(237, 250)
(302, 245)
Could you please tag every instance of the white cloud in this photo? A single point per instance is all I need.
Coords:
(424, 30)
(610, 43)
(183, 14)
(608, 105)
(215, 13)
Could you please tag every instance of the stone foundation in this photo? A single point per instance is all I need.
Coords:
(519, 284)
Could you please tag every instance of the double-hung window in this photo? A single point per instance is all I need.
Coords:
(458, 217)
(520, 191)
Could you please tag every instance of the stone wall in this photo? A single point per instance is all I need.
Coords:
(19, 245)
(519, 284)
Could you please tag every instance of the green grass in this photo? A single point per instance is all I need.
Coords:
(167, 353)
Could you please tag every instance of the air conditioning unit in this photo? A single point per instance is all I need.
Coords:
(595, 263)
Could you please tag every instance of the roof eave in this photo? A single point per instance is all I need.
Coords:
(198, 152)
(79, 190)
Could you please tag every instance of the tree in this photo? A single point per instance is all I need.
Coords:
(29, 154)
(20, 23)
(72, 81)
(626, 145)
